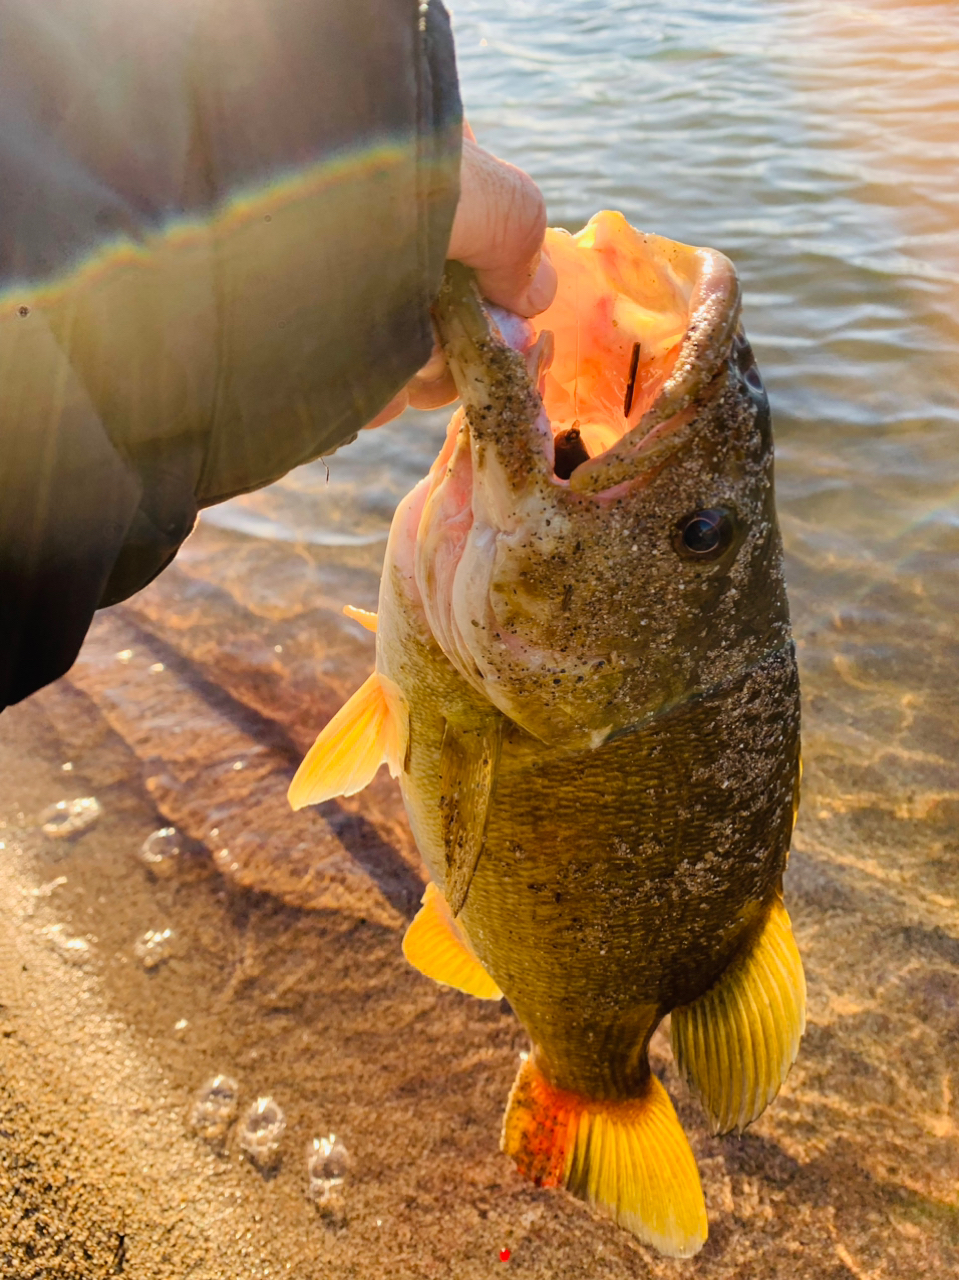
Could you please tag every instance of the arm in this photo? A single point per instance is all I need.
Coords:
(222, 227)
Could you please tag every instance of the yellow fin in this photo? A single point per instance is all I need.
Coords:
(362, 616)
(630, 1160)
(736, 1043)
(371, 728)
(434, 944)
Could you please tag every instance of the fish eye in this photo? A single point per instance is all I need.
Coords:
(705, 535)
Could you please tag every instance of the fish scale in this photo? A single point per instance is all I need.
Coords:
(692, 864)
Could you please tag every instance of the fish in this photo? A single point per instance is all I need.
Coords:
(586, 686)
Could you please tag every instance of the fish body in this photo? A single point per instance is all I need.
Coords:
(585, 673)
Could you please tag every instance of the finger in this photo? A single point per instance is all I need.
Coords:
(498, 230)
(433, 392)
(435, 366)
(390, 411)
(432, 385)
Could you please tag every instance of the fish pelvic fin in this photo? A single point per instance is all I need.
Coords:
(370, 729)
(436, 945)
(630, 1160)
(736, 1043)
(363, 616)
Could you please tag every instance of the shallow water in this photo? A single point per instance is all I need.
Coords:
(818, 145)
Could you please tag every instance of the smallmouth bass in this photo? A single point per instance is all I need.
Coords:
(586, 686)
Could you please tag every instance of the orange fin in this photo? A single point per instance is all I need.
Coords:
(736, 1043)
(435, 944)
(630, 1160)
(371, 728)
(362, 616)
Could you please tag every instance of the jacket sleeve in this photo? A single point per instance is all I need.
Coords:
(222, 226)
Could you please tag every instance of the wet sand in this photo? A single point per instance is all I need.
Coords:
(287, 968)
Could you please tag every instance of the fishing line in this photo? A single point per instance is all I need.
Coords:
(631, 380)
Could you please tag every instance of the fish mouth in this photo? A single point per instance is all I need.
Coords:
(642, 328)
(631, 351)
(558, 417)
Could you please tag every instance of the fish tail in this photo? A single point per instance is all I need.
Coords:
(630, 1160)
(368, 730)
(736, 1043)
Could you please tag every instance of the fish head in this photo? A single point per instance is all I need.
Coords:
(597, 541)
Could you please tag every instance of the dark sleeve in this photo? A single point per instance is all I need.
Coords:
(222, 225)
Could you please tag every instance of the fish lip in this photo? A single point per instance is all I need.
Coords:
(504, 413)
(473, 333)
(695, 381)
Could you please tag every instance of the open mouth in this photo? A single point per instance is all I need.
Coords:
(628, 362)
(641, 326)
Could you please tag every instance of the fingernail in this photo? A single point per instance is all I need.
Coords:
(435, 366)
(542, 289)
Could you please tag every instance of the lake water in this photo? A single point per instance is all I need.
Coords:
(817, 144)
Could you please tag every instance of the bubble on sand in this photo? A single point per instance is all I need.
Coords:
(73, 950)
(180, 1028)
(327, 1164)
(70, 817)
(162, 851)
(261, 1130)
(153, 947)
(45, 890)
(328, 1159)
(214, 1108)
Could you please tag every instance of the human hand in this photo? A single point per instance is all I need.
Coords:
(498, 230)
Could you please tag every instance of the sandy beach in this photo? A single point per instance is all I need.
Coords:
(285, 973)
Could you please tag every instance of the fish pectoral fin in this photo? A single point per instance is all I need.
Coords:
(469, 759)
(630, 1160)
(736, 1043)
(435, 944)
(363, 616)
(370, 729)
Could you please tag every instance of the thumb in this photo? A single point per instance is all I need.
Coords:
(498, 231)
